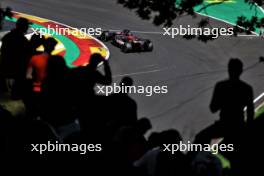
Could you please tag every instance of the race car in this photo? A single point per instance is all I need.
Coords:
(126, 41)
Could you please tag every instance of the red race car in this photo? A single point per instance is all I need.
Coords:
(127, 41)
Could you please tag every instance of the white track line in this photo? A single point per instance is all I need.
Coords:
(245, 35)
(139, 32)
(233, 24)
(259, 97)
(255, 101)
(260, 7)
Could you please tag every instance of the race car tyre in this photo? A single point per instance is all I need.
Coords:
(127, 47)
(105, 36)
(148, 45)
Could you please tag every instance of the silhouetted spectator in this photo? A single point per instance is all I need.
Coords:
(230, 97)
(172, 164)
(126, 114)
(57, 105)
(35, 42)
(37, 68)
(15, 56)
(131, 140)
(83, 80)
(23, 133)
(37, 73)
(148, 162)
(157, 162)
(206, 163)
(86, 77)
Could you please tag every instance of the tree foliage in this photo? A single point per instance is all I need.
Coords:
(164, 12)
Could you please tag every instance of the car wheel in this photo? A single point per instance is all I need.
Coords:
(105, 36)
(127, 47)
(148, 46)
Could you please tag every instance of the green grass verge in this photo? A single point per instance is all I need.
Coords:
(259, 111)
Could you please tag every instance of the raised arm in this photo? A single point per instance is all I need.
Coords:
(107, 78)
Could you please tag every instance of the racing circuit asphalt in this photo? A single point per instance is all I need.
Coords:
(189, 68)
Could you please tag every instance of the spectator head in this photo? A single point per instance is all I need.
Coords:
(154, 140)
(22, 25)
(143, 125)
(36, 41)
(126, 81)
(50, 44)
(56, 67)
(170, 137)
(95, 59)
(235, 68)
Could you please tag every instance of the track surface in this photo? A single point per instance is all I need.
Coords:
(190, 69)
